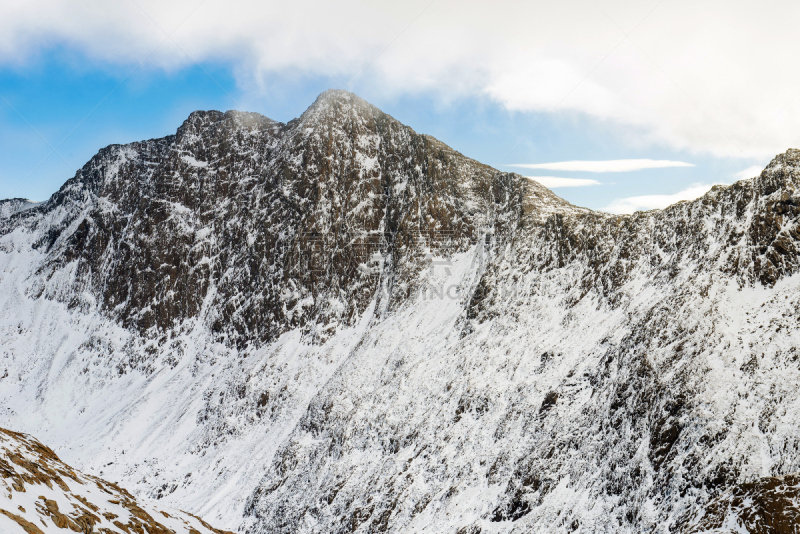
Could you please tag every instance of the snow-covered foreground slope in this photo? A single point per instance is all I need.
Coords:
(339, 325)
(39, 494)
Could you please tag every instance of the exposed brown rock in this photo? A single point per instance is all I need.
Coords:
(26, 525)
(766, 506)
(26, 464)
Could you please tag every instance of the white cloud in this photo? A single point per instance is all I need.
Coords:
(553, 182)
(749, 172)
(713, 77)
(612, 165)
(649, 202)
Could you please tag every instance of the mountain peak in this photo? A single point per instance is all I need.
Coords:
(338, 95)
(337, 103)
(200, 119)
(782, 173)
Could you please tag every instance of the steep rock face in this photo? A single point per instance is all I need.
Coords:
(257, 227)
(608, 373)
(339, 325)
(40, 495)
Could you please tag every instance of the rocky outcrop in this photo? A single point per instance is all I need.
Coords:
(39, 494)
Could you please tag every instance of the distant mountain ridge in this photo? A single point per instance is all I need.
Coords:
(11, 206)
(340, 325)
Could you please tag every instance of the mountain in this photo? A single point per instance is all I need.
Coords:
(339, 325)
(11, 206)
(41, 494)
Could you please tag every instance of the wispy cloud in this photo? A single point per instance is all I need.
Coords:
(749, 172)
(611, 165)
(703, 92)
(553, 182)
(649, 202)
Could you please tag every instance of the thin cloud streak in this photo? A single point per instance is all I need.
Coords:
(613, 165)
(552, 182)
(650, 202)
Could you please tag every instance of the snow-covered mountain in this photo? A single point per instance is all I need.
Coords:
(340, 325)
(11, 206)
(41, 494)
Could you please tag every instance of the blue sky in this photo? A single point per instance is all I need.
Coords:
(66, 95)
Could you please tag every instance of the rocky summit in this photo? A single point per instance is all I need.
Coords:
(340, 325)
